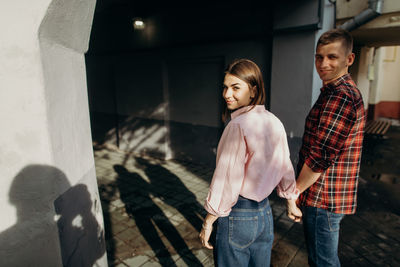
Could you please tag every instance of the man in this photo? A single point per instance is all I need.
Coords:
(329, 159)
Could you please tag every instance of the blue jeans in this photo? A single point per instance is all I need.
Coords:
(245, 237)
(321, 230)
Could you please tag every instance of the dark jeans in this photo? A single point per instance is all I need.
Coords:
(321, 230)
(245, 237)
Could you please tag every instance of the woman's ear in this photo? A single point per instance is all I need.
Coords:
(253, 91)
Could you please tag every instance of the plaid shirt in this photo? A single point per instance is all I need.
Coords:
(332, 144)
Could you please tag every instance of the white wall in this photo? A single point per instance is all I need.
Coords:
(360, 71)
(25, 139)
(389, 84)
(376, 75)
(385, 86)
(46, 159)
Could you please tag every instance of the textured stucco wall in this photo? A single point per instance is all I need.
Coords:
(45, 139)
(24, 137)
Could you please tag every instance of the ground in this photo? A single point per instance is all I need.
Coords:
(153, 211)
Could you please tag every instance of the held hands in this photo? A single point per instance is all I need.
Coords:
(293, 212)
(205, 235)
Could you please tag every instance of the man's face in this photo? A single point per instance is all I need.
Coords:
(332, 61)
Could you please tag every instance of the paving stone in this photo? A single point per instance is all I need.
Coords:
(286, 248)
(112, 260)
(209, 262)
(162, 261)
(282, 225)
(120, 265)
(118, 216)
(347, 253)
(127, 235)
(154, 212)
(177, 219)
(202, 254)
(300, 258)
(362, 262)
(136, 261)
(123, 251)
(118, 227)
(182, 263)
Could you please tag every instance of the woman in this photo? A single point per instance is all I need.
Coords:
(252, 159)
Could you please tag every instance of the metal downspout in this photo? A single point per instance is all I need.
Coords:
(374, 10)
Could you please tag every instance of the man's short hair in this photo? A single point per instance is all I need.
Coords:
(337, 35)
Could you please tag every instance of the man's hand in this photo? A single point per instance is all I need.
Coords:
(293, 212)
(205, 235)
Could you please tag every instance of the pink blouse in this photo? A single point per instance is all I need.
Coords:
(252, 159)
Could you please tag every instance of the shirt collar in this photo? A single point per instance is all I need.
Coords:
(334, 84)
(245, 109)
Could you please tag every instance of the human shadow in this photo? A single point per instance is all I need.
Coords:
(37, 194)
(172, 191)
(81, 237)
(149, 217)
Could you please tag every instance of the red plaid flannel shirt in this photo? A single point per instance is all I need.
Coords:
(332, 144)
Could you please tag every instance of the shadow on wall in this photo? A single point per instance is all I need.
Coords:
(81, 237)
(33, 240)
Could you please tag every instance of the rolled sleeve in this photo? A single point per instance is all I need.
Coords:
(229, 172)
(287, 186)
(336, 121)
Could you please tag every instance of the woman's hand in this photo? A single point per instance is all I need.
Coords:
(293, 212)
(205, 235)
(206, 230)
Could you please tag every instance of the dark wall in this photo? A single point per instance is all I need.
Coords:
(171, 23)
(158, 91)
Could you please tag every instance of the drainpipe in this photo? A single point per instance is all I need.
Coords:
(374, 10)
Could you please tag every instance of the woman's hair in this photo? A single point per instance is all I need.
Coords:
(250, 73)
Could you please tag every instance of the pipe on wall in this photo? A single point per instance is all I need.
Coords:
(374, 10)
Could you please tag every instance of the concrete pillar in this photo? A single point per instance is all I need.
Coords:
(51, 213)
(295, 83)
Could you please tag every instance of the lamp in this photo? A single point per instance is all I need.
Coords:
(138, 24)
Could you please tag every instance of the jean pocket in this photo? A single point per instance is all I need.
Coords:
(334, 221)
(242, 231)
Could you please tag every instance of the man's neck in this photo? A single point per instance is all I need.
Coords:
(333, 80)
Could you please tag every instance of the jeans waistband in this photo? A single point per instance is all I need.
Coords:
(248, 204)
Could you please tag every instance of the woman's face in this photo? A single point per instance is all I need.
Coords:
(236, 92)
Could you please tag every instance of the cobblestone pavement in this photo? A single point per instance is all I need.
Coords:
(153, 213)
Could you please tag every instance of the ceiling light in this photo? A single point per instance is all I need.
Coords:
(138, 24)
